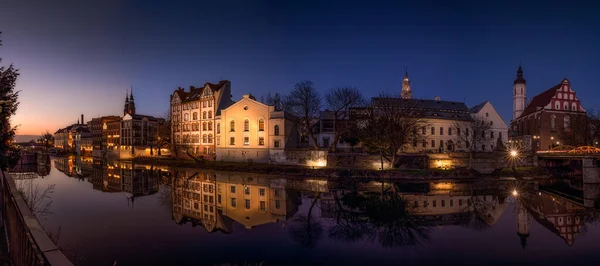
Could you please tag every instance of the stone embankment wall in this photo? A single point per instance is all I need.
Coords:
(299, 157)
(357, 161)
(483, 162)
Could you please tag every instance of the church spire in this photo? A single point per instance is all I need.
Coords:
(520, 79)
(126, 96)
(406, 93)
(131, 93)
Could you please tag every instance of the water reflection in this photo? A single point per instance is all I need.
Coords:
(320, 214)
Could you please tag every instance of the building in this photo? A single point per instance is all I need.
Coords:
(83, 141)
(193, 117)
(406, 93)
(325, 133)
(251, 130)
(498, 129)
(440, 121)
(545, 121)
(111, 136)
(99, 137)
(64, 138)
(138, 133)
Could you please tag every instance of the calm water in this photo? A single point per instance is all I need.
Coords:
(147, 215)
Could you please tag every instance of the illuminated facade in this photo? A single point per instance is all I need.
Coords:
(193, 115)
(99, 134)
(497, 130)
(250, 130)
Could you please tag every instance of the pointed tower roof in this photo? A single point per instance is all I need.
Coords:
(520, 79)
(131, 94)
(126, 96)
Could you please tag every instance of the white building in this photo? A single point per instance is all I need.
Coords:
(498, 128)
(251, 130)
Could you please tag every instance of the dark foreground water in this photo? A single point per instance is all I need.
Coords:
(145, 215)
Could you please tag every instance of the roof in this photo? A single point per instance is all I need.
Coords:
(540, 100)
(216, 87)
(429, 108)
(149, 117)
(477, 108)
(195, 93)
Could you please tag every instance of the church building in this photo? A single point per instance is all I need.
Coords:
(545, 121)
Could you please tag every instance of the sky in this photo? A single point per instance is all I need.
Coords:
(81, 57)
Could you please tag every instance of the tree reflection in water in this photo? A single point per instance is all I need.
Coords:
(383, 218)
(305, 229)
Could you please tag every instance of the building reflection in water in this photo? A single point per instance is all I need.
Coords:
(215, 199)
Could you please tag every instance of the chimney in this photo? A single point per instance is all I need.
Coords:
(437, 98)
(82, 122)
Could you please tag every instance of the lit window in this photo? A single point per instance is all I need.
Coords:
(232, 141)
(276, 130)
(261, 192)
(210, 126)
(261, 125)
(276, 144)
(233, 202)
(246, 125)
(246, 141)
(263, 205)
(210, 138)
(277, 204)
(204, 115)
(232, 189)
(204, 126)
(204, 138)
(209, 114)
(261, 141)
(218, 128)
(195, 116)
(247, 204)
(247, 190)
(432, 130)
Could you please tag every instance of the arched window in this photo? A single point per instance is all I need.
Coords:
(232, 126)
(553, 122)
(218, 128)
(204, 115)
(574, 107)
(210, 126)
(186, 117)
(204, 139)
(209, 114)
(276, 130)
(566, 106)
(204, 126)
(559, 95)
(204, 104)
(567, 122)
(195, 116)
(261, 125)
(570, 96)
(210, 103)
(246, 125)
(210, 138)
(557, 106)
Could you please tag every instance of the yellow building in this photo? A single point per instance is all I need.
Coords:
(251, 130)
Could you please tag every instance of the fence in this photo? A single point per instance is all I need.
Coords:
(27, 242)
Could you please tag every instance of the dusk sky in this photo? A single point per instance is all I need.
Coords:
(80, 57)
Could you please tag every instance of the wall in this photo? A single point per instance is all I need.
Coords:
(298, 157)
(361, 161)
(482, 162)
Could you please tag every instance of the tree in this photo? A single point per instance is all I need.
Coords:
(47, 138)
(583, 130)
(472, 134)
(305, 229)
(304, 103)
(395, 124)
(340, 100)
(164, 133)
(9, 155)
(275, 100)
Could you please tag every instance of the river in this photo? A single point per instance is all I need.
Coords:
(106, 212)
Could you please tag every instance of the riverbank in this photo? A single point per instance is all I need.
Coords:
(334, 172)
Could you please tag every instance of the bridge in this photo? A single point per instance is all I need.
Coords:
(566, 151)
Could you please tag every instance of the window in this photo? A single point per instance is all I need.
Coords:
(566, 106)
(500, 135)
(433, 143)
(424, 144)
(276, 144)
(204, 138)
(246, 125)
(247, 190)
(441, 131)
(491, 134)
(261, 192)
(247, 204)
(263, 205)
(209, 114)
(423, 131)
(277, 204)
(232, 189)
(219, 198)
(567, 121)
(432, 130)
(186, 117)
(466, 132)
(218, 128)
(261, 141)
(276, 130)
(458, 131)
(414, 142)
(451, 203)
(232, 126)
(196, 205)
(443, 203)
(233, 202)
(204, 126)
(204, 115)
(483, 147)
(434, 203)
(210, 138)
(557, 106)
(246, 141)
(574, 107)
(209, 125)
(553, 122)
(204, 104)
(218, 141)
(441, 143)
(487, 114)
(449, 131)
(277, 193)
(560, 96)
(205, 208)
(261, 125)
(570, 96)
(195, 116)
(460, 203)
(210, 103)
(232, 141)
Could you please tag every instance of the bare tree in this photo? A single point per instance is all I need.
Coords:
(472, 134)
(276, 100)
(340, 100)
(394, 125)
(38, 199)
(304, 102)
(582, 130)
(46, 138)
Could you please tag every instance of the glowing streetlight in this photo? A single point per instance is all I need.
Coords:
(513, 153)
(515, 193)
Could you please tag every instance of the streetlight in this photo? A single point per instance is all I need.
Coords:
(515, 193)
(514, 153)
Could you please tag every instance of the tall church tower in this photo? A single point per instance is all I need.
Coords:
(519, 94)
(129, 104)
(406, 92)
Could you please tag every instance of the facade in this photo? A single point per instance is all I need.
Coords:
(65, 138)
(406, 92)
(325, 132)
(139, 132)
(498, 128)
(83, 141)
(440, 119)
(111, 134)
(98, 128)
(545, 121)
(251, 130)
(193, 116)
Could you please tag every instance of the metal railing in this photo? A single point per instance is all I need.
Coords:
(27, 242)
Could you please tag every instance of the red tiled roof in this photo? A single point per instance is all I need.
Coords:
(540, 100)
